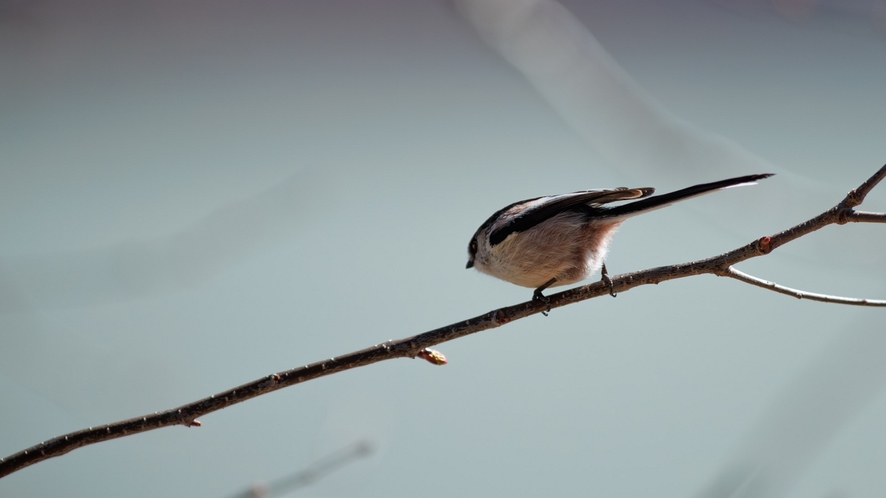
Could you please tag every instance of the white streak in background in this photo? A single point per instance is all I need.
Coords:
(573, 72)
(804, 417)
(138, 268)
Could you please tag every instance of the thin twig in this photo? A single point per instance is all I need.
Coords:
(856, 196)
(812, 296)
(412, 347)
(319, 469)
(866, 217)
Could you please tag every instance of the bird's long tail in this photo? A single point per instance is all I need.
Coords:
(660, 201)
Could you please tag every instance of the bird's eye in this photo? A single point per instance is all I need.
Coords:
(473, 247)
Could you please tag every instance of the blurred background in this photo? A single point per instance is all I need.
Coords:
(194, 194)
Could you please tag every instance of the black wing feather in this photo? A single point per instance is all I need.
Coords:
(558, 204)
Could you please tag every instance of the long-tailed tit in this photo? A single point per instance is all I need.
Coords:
(562, 239)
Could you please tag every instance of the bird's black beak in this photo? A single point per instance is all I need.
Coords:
(470, 264)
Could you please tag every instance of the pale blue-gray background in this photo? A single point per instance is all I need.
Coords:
(195, 194)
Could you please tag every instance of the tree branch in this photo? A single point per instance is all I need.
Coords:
(824, 298)
(866, 217)
(414, 346)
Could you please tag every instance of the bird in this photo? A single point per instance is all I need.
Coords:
(562, 239)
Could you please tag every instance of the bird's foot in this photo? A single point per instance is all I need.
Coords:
(538, 296)
(604, 276)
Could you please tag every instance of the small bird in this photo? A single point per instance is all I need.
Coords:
(562, 239)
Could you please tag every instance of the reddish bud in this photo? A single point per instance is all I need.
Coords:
(432, 356)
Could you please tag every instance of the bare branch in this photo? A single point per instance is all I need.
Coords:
(866, 217)
(412, 347)
(824, 298)
(856, 196)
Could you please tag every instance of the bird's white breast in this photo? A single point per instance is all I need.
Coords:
(565, 247)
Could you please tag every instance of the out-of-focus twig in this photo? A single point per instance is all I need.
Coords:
(305, 477)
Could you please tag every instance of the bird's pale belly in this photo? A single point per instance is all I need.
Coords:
(570, 258)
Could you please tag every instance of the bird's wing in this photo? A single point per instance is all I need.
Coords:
(535, 211)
